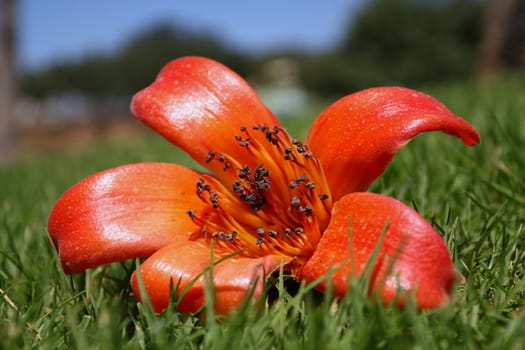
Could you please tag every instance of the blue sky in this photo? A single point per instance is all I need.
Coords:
(51, 30)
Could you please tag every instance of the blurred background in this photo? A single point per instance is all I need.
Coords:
(68, 69)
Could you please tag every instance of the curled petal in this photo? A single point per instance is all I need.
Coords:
(412, 257)
(126, 212)
(200, 105)
(356, 137)
(178, 265)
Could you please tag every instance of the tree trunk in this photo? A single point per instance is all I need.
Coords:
(517, 36)
(7, 80)
(495, 33)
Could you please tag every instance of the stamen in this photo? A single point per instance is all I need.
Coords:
(280, 206)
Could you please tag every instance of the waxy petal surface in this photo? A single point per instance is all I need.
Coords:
(182, 264)
(200, 105)
(126, 212)
(356, 137)
(412, 257)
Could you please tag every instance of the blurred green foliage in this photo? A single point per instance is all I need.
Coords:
(402, 42)
(131, 68)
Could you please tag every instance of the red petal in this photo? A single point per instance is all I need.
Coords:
(357, 136)
(412, 258)
(200, 105)
(180, 264)
(126, 212)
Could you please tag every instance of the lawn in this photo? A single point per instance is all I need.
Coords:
(474, 197)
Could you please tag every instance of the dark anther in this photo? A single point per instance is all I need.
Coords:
(249, 198)
(238, 137)
(295, 202)
(261, 181)
(251, 189)
(192, 213)
(228, 236)
(307, 155)
(201, 186)
(244, 143)
(259, 241)
(237, 187)
(260, 231)
(222, 236)
(270, 135)
(287, 231)
(323, 196)
(261, 171)
(295, 182)
(307, 210)
(210, 156)
(243, 128)
(299, 231)
(263, 184)
(254, 201)
(214, 199)
(272, 233)
(288, 153)
(245, 172)
(300, 147)
(256, 127)
(310, 185)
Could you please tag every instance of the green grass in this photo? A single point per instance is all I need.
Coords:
(475, 197)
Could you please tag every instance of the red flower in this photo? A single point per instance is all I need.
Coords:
(271, 198)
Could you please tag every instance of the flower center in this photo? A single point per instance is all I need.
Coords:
(280, 206)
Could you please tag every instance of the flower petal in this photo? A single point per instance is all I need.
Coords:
(412, 257)
(200, 105)
(180, 264)
(125, 212)
(356, 137)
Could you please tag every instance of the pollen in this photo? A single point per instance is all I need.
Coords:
(280, 206)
